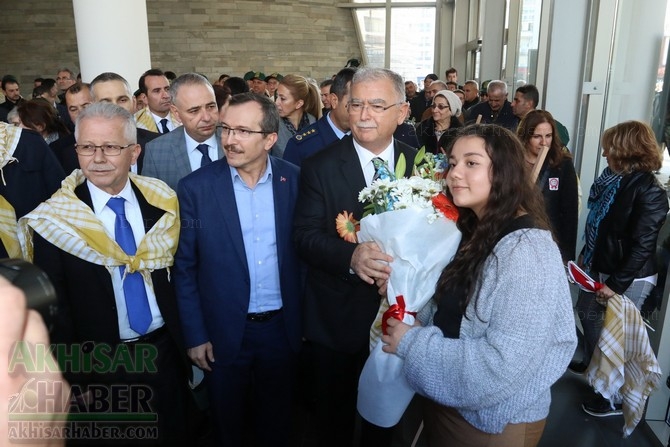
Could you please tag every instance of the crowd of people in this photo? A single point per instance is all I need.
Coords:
(197, 220)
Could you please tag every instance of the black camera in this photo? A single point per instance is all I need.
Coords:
(35, 284)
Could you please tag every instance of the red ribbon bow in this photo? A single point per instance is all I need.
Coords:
(396, 311)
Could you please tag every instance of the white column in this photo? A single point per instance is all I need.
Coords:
(112, 36)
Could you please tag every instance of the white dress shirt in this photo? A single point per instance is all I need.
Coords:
(134, 216)
(365, 158)
(195, 156)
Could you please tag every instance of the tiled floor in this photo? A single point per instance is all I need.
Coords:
(568, 425)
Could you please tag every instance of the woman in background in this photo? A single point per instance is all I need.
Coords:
(497, 334)
(444, 121)
(557, 178)
(299, 105)
(40, 116)
(627, 207)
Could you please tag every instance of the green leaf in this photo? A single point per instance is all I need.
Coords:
(420, 156)
(400, 167)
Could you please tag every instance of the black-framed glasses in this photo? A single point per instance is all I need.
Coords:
(107, 149)
(242, 134)
(378, 109)
(440, 106)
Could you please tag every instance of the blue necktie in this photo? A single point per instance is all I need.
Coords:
(164, 125)
(381, 169)
(204, 149)
(137, 303)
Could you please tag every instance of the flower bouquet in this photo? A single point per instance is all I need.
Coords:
(414, 222)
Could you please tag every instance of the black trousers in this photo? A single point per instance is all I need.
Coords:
(148, 400)
(335, 378)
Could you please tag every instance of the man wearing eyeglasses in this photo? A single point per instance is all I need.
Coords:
(106, 239)
(192, 145)
(237, 276)
(341, 299)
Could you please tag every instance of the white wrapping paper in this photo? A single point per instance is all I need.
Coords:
(420, 251)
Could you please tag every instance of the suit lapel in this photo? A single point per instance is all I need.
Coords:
(222, 191)
(219, 147)
(283, 215)
(351, 166)
(401, 148)
(150, 214)
(180, 153)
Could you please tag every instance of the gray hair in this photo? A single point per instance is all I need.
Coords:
(442, 84)
(368, 74)
(188, 79)
(108, 111)
(497, 85)
(107, 77)
(471, 82)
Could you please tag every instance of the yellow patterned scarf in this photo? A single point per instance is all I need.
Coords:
(71, 225)
(145, 120)
(9, 139)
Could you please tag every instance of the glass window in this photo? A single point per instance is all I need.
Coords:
(372, 25)
(411, 33)
(526, 67)
(412, 42)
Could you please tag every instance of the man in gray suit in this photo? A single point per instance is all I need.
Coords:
(194, 144)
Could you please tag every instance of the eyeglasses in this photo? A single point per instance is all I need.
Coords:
(107, 149)
(439, 106)
(242, 134)
(377, 109)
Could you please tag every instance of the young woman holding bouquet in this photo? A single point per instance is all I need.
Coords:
(497, 334)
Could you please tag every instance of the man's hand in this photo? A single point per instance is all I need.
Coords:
(201, 355)
(370, 263)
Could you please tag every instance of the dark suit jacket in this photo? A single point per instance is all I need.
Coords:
(167, 159)
(505, 117)
(211, 273)
(339, 307)
(312, 139)
(318, 135)
(64, 150)
(86, 304)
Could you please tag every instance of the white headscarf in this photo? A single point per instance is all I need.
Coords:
(453, 100)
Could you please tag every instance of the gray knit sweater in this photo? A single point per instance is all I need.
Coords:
(511, 350)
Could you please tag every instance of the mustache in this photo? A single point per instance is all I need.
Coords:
(366, 125)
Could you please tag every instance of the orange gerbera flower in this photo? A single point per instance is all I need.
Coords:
(347, 226)
(446, 207)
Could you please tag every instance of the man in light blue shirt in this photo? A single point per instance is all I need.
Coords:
(237, 275)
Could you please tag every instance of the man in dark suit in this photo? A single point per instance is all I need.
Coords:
(335, 124)
(192, 145)
(341, 299)
(497, 110)
(329, 128)
(108, 302)
(237, 275)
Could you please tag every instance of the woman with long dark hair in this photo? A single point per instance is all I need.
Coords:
(499, 330)
(557, 178)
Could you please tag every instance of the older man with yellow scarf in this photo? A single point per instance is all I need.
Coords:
(106, 239)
